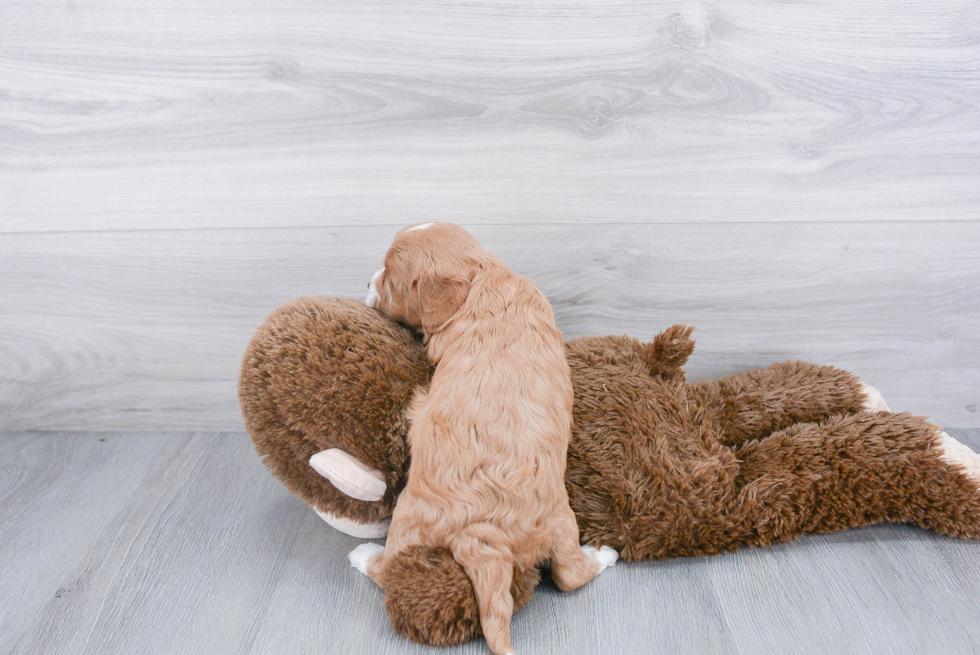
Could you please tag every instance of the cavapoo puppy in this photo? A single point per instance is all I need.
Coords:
(489, 439)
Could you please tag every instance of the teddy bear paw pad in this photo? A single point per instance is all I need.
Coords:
(959, 454)
(604, 557)
(362, 556)
(875, 401)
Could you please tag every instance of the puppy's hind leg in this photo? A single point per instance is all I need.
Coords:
(573, 565)
(491, 574)
(371, 559)
(364, 558)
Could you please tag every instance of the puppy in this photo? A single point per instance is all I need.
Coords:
(489, 439)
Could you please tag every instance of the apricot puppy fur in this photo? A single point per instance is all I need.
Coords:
(489, 439)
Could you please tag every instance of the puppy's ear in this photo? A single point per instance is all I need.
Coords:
(439, 299)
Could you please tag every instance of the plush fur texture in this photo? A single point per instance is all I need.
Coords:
(325, 373)
(429, 602)
(489, 438)
(656, 467)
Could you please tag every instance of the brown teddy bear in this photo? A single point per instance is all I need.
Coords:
(657, 467)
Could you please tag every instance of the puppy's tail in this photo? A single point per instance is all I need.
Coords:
(491, 574)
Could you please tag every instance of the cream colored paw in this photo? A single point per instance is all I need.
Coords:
(604, 557)
(349, 475)
(875, 401)
(362, 556)
(959, 454)
(353, 528)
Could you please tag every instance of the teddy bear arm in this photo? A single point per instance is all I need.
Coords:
(753, 404)
(855, 470)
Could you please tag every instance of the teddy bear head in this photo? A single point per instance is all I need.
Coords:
(325, 377)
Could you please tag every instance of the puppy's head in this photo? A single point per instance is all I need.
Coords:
(427, 275)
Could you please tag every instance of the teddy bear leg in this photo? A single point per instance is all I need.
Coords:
(752, 404)
(857, 470)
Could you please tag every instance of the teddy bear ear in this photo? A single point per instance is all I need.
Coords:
(668, 352)
(351, 476)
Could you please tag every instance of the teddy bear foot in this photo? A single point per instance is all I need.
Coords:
(875, 401)
(362, 556)
(959, 454)
(604, 557)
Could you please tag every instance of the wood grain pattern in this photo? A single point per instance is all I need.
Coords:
(145, 330)
(182, 543)
(296, 113)
(172, 171)
(190, 544)
(58, 495)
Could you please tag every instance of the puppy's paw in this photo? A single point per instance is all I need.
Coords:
(604, 557)
(875, 401)
(362, 556)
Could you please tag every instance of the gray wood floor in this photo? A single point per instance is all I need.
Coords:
(182, 543)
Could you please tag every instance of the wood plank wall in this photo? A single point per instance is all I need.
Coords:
(796, 179)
